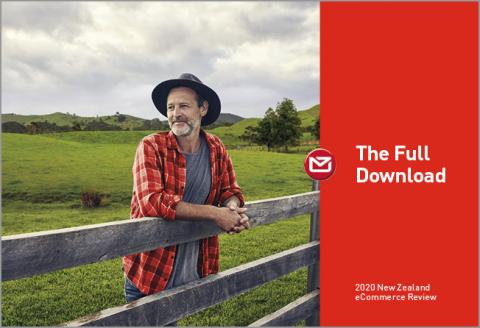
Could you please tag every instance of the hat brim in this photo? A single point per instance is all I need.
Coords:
(161, 91)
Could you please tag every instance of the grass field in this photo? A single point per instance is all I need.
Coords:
(43, 176)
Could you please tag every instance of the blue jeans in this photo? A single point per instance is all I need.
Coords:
(132, 294)
(131, 291)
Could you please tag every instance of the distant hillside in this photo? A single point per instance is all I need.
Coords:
(229, 118)
(237, 129)
(65, 119)
(225, 119)
(309, 116)
(228, 125)
(57, 118)
(120, 121)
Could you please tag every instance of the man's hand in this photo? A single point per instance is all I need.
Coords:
(230, 218)
(233, 204)
(244, 220)
(227, 219)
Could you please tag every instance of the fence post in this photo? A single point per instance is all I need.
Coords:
(313, 280)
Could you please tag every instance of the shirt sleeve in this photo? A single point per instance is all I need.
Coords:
(148, 185)
(228, 183)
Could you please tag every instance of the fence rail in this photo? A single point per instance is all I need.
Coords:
(40, 252)
(171, 305)
(36, 253)
(290, 314)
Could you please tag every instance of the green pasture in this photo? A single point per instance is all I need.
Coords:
(100, 137)
(42, 179)
(53, 167)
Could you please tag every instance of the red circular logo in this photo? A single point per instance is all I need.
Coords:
(319, 164)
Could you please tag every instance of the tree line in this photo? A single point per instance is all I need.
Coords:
(39, 127)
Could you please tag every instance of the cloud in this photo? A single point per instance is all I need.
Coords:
(101, 57)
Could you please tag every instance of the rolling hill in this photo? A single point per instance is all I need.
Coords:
(125, 122)
(309, 116)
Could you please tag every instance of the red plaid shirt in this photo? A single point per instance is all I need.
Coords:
(159, 174)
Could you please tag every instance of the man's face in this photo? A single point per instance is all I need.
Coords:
(184, 115)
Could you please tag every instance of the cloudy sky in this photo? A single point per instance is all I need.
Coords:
(97, 58)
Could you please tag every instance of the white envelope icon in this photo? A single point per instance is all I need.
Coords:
(319, 164)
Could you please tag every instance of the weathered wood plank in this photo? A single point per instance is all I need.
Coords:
(313, 278)
(36, 253)
(174, 304)
(292, 313)
(313, 281)
(271, 210)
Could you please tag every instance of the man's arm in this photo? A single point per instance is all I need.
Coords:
(148, 186)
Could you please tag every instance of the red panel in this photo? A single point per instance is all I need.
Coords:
(400, 74)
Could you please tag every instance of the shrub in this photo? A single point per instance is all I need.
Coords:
(14, 127)
(91, 199)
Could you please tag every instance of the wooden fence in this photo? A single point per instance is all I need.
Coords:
(31, 254)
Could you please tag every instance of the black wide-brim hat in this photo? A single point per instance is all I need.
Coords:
(161, 91)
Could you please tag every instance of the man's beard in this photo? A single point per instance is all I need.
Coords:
(183, 130)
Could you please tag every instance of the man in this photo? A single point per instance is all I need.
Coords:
(183, 174)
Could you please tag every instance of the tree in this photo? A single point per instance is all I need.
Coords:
(250, 134)
(287, 128)
(121, 118)
(266, 130)
(46, 127)
(263, 133)
(76, 126)
(278, 128)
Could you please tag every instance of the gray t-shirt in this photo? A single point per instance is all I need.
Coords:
(197, 188)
